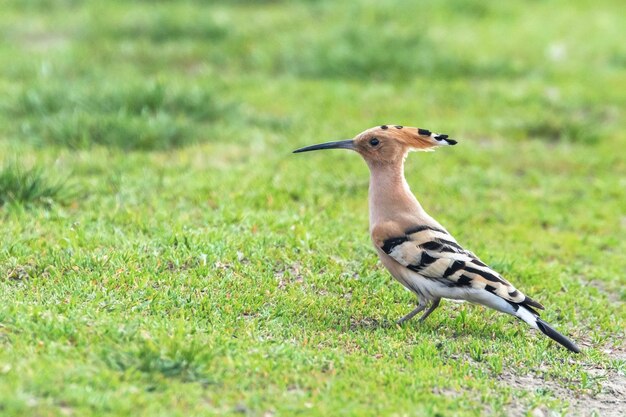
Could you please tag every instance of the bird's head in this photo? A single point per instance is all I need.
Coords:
(386, 144)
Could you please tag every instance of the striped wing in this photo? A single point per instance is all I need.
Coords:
(434, 253)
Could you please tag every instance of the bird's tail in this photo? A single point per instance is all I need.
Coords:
(535, 321)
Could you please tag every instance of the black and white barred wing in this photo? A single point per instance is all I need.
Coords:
(434, 254)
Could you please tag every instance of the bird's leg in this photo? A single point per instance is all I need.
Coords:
(421, 306)
(432, 308)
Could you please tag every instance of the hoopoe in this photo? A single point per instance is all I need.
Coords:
(417, 250)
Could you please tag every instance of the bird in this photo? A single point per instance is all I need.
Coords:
(416, 249)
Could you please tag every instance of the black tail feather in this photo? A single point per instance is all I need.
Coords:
(556, 336)
(529, 302)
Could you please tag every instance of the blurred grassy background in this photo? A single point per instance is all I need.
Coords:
(161, 251)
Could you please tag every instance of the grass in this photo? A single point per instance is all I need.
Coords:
(30, 186)
(140, 115)
(198, 268)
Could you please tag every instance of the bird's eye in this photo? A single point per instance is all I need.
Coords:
(374, 141)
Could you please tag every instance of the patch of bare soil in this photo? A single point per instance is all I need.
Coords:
(289, 275)
(611, 295)
(607, 399)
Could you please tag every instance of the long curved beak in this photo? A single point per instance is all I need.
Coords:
(340, 144)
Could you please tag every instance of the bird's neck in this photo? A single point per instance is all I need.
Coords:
(389, 194)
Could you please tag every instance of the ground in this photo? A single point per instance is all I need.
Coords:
(163, 253)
